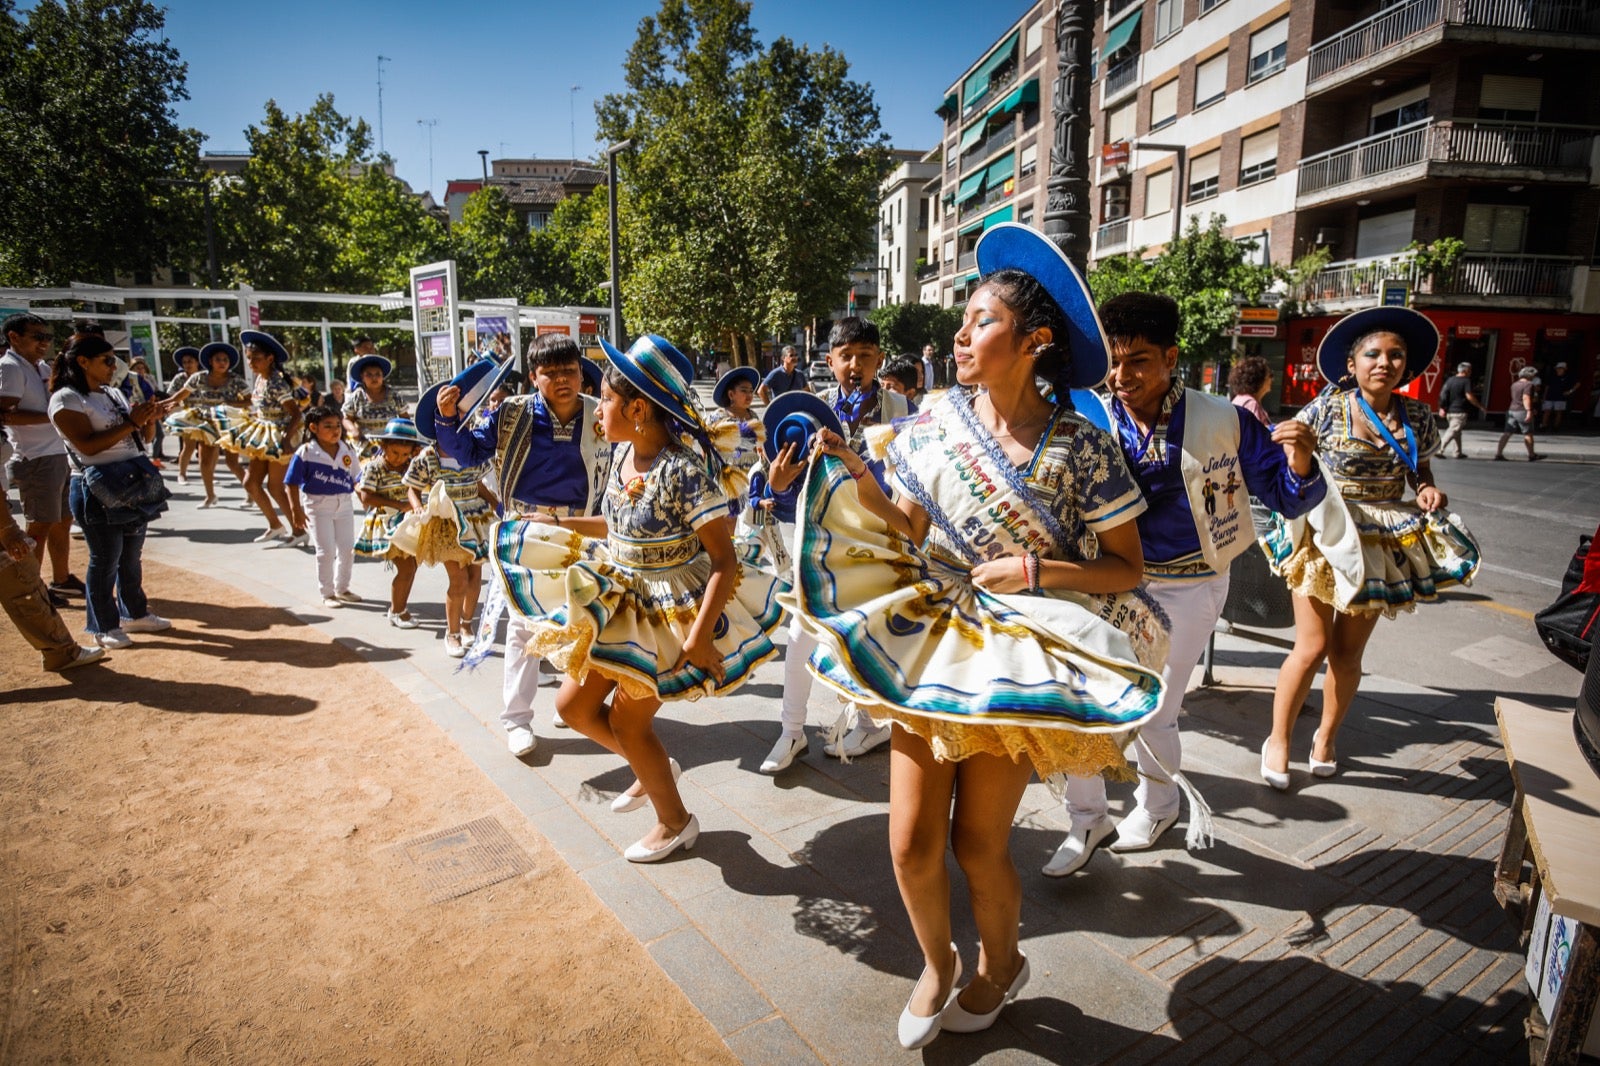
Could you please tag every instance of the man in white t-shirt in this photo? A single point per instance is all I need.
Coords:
(38, 465)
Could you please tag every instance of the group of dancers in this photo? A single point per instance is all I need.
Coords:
(1015, 579)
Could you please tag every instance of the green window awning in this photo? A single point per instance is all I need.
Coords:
(970, 227)
(978, 81)
(1118, 36)
(1000, 170)
(1002, 215)
(950, 105)
(1023, 94)
(971, 136)
(970, 186)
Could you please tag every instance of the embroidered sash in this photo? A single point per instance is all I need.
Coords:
(1214, 479)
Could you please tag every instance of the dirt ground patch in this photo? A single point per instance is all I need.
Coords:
(199, 863)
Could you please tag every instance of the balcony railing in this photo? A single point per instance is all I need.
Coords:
(978, 204)
(1000, 80)
(1540, 146)
(990, 144)
(1120, 76)
(967, 260)
(1485, 274)
(1401, 22)
(1111, 237)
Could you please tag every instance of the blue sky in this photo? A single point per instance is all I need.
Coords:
(497, 75)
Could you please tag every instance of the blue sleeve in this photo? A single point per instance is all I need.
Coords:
(296, 474)
(469, 447)
(1268, 475)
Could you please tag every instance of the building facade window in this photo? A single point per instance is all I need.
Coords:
(1204, 172)
(1510, 99)
(1400, 109)
(1207, 5)
(1119, 124)
(1495, 228)
(1158, 193)
(1025, 215)
(1269, 50)
(1028, 162)
(1211, 80)
(1258, 157)
(1034, 38)
(1164, 105)
(1169, 18)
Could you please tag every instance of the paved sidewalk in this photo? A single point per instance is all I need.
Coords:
(1349, 917)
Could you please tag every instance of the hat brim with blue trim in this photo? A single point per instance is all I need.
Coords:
(400, 430)
(188, 349)
(592, 374)
(219, 346)
(254, 338)
(725, 384)
(359, 366)
(661, 373)
(476, 382)
(794, 418)
(1013, 246)
(1421, 338)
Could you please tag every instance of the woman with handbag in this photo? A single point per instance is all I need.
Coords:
(115, 489)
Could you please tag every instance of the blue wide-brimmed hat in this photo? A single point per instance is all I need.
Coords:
(794, 418)
(219, 346)
(1013, 246)
(661, 373)
(719, 394)
(399, 429)
(476, 382)
(359, 366)
(592, 374)
(188, 349)
(254, 338)
(1421, 339)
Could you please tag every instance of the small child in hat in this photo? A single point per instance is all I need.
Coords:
(382, 491)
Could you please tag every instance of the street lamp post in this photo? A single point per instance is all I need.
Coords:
(483, 158)
(211, 229)
(611, 207)
(1182, 152)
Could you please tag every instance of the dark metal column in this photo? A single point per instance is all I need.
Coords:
(1066, 212)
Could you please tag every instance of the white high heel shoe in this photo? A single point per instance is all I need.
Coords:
(957, 1019)
(1318, 767)
(1270, 776)
(626, 802)
(917, 1031)
(685, 839)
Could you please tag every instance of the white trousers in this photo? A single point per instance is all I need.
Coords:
(521, 682)
(797, 679)
(333, 532)
(1193, 608)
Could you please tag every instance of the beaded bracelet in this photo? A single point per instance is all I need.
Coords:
(1030, 570)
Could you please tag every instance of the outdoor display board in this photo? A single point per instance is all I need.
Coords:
(434, 315)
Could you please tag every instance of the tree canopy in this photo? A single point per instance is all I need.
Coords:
(1202, 270)
(907, 327)
(87, 96)
(752, 183)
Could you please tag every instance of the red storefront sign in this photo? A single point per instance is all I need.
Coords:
(588, 324)
(1257, 329)
(1114, 154)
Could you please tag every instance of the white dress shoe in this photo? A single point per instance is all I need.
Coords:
(332, 602)
(685, 839)
(520, 740)
(1272, 777)
(1318, 767)
(113, 639)
(401, 619)
(860, 740)
(1139, 830)
(348, 597)
(784, 752)
(452, 646)
(917, 1031)
(626, 802)
(1078, 847)
(275, 533)
(957, 1019)
(296, 540)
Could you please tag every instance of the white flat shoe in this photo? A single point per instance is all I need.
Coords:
(784, 752)
(1270, 776)
(520, 740)
(275, 533)
(1077, 848)
(917, 1031)
(685, 839)
(859, 741)
(1318, 767)
(1139, 831)
(957, 1019)
(626, 802)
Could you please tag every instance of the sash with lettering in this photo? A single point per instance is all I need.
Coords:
(1214, 479)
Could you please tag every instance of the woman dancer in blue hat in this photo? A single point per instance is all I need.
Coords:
(1366, 552)
(984, 610)
(212, 390)
(370, 403)
(736, 432)
(265, 435)
(647, 603)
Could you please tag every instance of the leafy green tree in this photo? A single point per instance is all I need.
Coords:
(1202, 270)
(571, 253)
(752, 184)
(87, 96)
(492, 249)
(387, 232)
(907, 327)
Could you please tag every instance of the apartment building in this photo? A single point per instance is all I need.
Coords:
(1360, 128)
(903, 212)
(532, 186)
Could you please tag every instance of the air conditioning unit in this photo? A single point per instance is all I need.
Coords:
(1327, 235)
(1115, 203)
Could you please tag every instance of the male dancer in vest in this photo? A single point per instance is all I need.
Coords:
(1177, 442)
(549, 456)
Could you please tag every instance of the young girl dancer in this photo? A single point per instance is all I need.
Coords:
(382, 491)
(977, 612)
(187, 360)
(370, 402)
(736, 432)
(657, 610)
(452, 512)
(200, 424)
(1366, 552)
(265, 434)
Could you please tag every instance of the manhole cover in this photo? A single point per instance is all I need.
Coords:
(450, 863)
